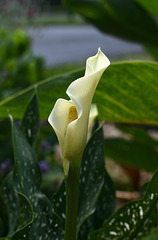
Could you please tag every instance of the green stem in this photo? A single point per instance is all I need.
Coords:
(72, 194)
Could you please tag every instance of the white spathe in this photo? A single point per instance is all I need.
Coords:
(69, 119)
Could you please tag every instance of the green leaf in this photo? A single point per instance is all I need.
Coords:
(140, 134)
(105, 206)
(116, 17)
(126, 93)
(133, 220)
(152, 236)
(48, 91)
(97, 194)
(138, 152)
(152, 51)
(59, 202)
(106, 203)
(27, 181)
(92, 176)
(31, 122)
(132, 153)
(151, 6)
(12, 202)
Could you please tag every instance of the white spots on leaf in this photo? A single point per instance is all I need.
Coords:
(29, 132)
(112, 221)
(63, 215)
(141, 212)
(128, 211)
(83, 179)
(43, 225)
(113, 233)
(127, 226)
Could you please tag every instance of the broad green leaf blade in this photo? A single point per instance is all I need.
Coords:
(152, 51)
(92, 176)
(126, 93)
(132, 153)
(105, 206)
(48, 92)
(27, 172)
(31, 122)
(116, 17)
(12, 202)
(106, 203)
(27, 180)
(102, 202)
(133, 220)
(152, 236)
(151, 6)
(59, 202)
(140, 134)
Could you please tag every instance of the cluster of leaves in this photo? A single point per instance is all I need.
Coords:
(18, 68)
(32, 215)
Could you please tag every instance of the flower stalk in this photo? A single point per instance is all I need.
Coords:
(72, 196)
(70, 120)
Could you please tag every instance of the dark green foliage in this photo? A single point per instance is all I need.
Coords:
(134, 219)
(125, 19)
(97, 194)
(30, 122)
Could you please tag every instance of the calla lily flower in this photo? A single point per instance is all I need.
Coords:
(69, 119)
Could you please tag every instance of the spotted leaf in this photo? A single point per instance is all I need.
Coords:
(27, 181)
(30, 122)
(11, 200)
(133, 220)
(97, 194)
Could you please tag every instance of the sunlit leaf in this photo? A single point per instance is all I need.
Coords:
(126, 93)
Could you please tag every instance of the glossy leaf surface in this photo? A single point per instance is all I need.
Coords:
(126, 93)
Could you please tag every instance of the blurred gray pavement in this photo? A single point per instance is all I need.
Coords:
(74, 44)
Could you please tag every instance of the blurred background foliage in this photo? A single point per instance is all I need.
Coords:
(130, 146)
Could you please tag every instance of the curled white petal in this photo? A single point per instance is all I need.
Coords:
(72, 134)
